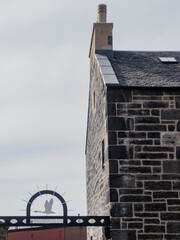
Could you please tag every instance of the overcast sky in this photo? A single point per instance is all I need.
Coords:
(44, 77)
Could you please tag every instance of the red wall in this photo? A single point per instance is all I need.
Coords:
(47, 234)
(69, 233)
(75, 233)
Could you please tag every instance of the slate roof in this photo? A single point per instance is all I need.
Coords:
(139, 69)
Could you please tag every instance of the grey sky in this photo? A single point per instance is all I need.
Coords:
(44, 76)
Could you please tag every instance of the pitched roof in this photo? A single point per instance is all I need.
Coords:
(139, 69)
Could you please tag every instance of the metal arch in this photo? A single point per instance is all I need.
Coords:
(61, 199)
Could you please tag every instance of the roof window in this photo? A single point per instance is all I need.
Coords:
(168, 60)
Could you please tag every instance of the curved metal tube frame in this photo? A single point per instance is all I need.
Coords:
(50, 192)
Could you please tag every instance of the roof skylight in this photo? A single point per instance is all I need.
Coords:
(168, 60)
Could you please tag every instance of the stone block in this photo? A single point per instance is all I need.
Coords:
(171, 177)
(135, 170)
(170, 216)
(171, 128)
(131, 135)
(153, 135)
(112, 138)
(123, 234)
(135, 225)
(176, 185)
(173, 201)
(134, 198)
(165, 194)
(111, 109)
(150, 155)
(150, 236)
(132, 219)
(118, 95)
(137, 148)
(138, 207)
(146, 215)
(115, 223)
(139, 184)
(172, 236)
(113, 195)
(152, 221)
(133, 105)
(151, 163)
(130, 191)
(113, 166)
(124, 225)
(140, 142)
(150, 127)
(157, 149)
(121, 105)
(157, 142)
(157, 169)
(155, 207)
(120, 152)
(138, 112)
(119, 123)
(172, 92)
(178, 126)
(177, 100)
(146, 92)
(178, 153)
(147, 177)
(171, 138)
(171, 166)
(156, 104)
(154, 228)
(163, 185)
(174, 209)
(155, 112)
(146, 120)
(131, 162)
(170, 114)
(122, 181)
(121, 210)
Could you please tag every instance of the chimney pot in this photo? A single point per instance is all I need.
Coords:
(102, 9)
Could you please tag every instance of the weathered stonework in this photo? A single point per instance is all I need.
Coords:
(146, 153)
(142, 161)
(96, 171)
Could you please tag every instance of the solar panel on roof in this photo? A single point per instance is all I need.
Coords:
(168, 60)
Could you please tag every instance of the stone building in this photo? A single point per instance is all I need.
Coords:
(133, 139)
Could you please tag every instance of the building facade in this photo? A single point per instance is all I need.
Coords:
(133, 139)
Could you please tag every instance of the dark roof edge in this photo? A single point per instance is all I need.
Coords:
(141, 87)
(150, 51)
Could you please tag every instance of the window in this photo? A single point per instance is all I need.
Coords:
(94, 100)
(109, 40)
(103, 160)
(168, 60)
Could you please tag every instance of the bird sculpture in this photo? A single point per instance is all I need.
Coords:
(48, 207)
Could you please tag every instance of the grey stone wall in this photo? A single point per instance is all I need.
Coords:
(144, 167)
(3, 233)
(97, 173)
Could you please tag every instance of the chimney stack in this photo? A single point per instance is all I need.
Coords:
(102, 9)
(102, 32)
